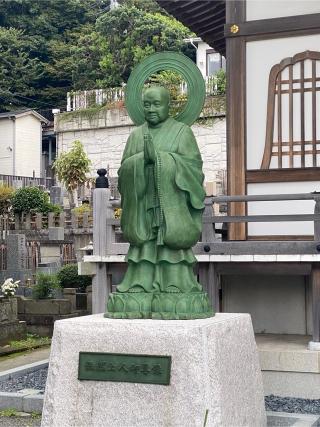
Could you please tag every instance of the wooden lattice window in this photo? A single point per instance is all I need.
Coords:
(292, 134)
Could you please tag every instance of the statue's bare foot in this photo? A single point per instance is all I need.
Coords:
(172, 290)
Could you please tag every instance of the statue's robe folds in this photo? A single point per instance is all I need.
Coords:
(162, 205)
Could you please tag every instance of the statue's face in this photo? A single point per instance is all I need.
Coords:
(156, 105)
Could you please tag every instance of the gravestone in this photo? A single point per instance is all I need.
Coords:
(10, 327)
(17, 259)
(56, 195)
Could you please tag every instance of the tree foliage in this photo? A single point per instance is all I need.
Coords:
(18, 70)
(32, 199)
(51, 47)
(6, 194)
(132, 34)
(72, 166)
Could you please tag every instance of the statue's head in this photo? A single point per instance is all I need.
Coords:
(156, 101)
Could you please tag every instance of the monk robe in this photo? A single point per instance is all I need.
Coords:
(162, 205)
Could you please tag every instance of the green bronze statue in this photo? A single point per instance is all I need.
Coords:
(162, 199)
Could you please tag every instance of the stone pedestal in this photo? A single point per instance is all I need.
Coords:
(215, 374)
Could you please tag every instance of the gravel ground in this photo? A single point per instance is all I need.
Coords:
(36, 380)
(291, 404)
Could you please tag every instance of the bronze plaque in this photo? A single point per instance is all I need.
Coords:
(119, 367)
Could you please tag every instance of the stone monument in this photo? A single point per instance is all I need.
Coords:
(158, 357)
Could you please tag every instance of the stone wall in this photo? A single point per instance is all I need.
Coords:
(105, 132)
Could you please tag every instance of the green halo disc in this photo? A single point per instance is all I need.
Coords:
(172, 61)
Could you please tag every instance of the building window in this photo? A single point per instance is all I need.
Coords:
(214, 62)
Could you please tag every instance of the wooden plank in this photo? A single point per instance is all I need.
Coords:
(264, 198)
(279, 121)
(302, 118)
(258, 248)
(274, 26)
(298, 90)
(316, 221)
(282, 238)
(286, 143)
(270, 268)
(290, 117)
(262, 218)
(306, 80)
(315, 280)
(282, 175)
(236, 124)
(314, 114)
(299, 153)
(265, 163)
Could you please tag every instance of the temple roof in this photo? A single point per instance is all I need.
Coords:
(206, 18)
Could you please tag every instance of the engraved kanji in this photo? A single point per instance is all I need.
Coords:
(156, 369)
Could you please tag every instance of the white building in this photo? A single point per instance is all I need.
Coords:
(20, 143)
(208, 60)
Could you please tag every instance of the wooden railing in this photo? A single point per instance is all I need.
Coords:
(211, 243)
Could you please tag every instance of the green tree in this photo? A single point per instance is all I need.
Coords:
(17, 69)
(47, 31)
(71, 168)
(131, 35)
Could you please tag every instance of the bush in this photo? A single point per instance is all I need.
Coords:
(80, 210)
(46, 286)
(32, 199)
(6, 193)
(68, 277)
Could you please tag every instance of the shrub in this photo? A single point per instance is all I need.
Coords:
(80, 210)
(32, 199)
(46, 285)
(69, 278)
(56, 209)
(6, 193)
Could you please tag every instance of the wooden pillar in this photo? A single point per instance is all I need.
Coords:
(236, 111)
(315, 280)
(100, 289)
(210, 281)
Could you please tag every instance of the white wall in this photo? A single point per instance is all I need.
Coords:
(202, 57)
(264, 9)
(104, 140)
(291, 207)
(28, 145)
(277, 304)
(261, 56)
(6, 146)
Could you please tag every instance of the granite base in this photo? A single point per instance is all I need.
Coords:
(215, 374)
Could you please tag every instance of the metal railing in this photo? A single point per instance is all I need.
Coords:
(26, 181)
(80, 100)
